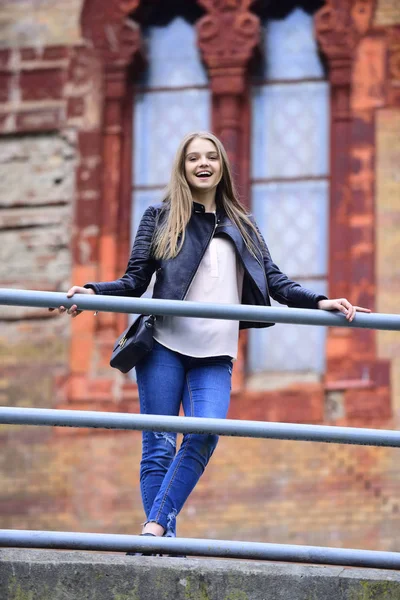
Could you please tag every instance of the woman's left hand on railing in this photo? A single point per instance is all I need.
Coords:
(344, 306)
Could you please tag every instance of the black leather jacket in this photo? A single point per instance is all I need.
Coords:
(262, 277)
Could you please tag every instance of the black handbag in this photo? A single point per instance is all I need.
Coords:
(133, 344)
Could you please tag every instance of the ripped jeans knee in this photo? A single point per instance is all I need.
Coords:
(169, 438)
(158, 451)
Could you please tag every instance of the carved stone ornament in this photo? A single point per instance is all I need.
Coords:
(228, 36)
(128, 7)
(339, 26)
(335, 32)
(106, 24)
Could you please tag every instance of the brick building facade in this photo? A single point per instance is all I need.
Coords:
(71, 87)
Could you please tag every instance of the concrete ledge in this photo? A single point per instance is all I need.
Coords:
(59, 575)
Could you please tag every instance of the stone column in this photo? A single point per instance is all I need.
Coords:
(228, 36)
(353, 370)
(112, 42)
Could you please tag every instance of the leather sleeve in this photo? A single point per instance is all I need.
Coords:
(281, 288)
(141, 265)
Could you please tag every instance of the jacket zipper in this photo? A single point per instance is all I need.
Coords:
(238, 254)
(201, 258)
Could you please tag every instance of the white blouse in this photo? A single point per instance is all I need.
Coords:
(219, 280)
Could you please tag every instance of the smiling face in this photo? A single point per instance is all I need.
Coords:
(203, 169)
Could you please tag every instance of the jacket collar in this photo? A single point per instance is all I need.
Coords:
(200, 209)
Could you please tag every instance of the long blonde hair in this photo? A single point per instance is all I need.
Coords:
(170, 235)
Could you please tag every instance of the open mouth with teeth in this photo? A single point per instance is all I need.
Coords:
(204, 174)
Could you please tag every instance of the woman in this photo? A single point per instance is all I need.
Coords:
(204, 247)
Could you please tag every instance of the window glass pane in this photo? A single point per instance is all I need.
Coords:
(290, 130)
(290, 189)
(290, 48)
(161, 121)
(173, 56)
(287, 347)
(293, 218)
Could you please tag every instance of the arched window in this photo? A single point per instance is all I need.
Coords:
(171, 100)
(290, 162)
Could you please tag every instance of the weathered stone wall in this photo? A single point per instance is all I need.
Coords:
(37, 191)
(39, 23)
(387, 13)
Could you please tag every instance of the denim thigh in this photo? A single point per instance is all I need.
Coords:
(161, 379)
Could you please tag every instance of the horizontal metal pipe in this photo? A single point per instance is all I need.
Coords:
(229, 427)
(198, 547)
(232, 312)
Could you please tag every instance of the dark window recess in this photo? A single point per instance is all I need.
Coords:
(279, 9)
(160, 12)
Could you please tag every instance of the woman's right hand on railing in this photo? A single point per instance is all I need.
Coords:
(73, 310)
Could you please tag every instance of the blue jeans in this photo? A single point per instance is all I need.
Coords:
(166, 380)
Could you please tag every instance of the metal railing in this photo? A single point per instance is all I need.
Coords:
(227, 427)
(255, 429)
(234, 312)
(198, 547)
